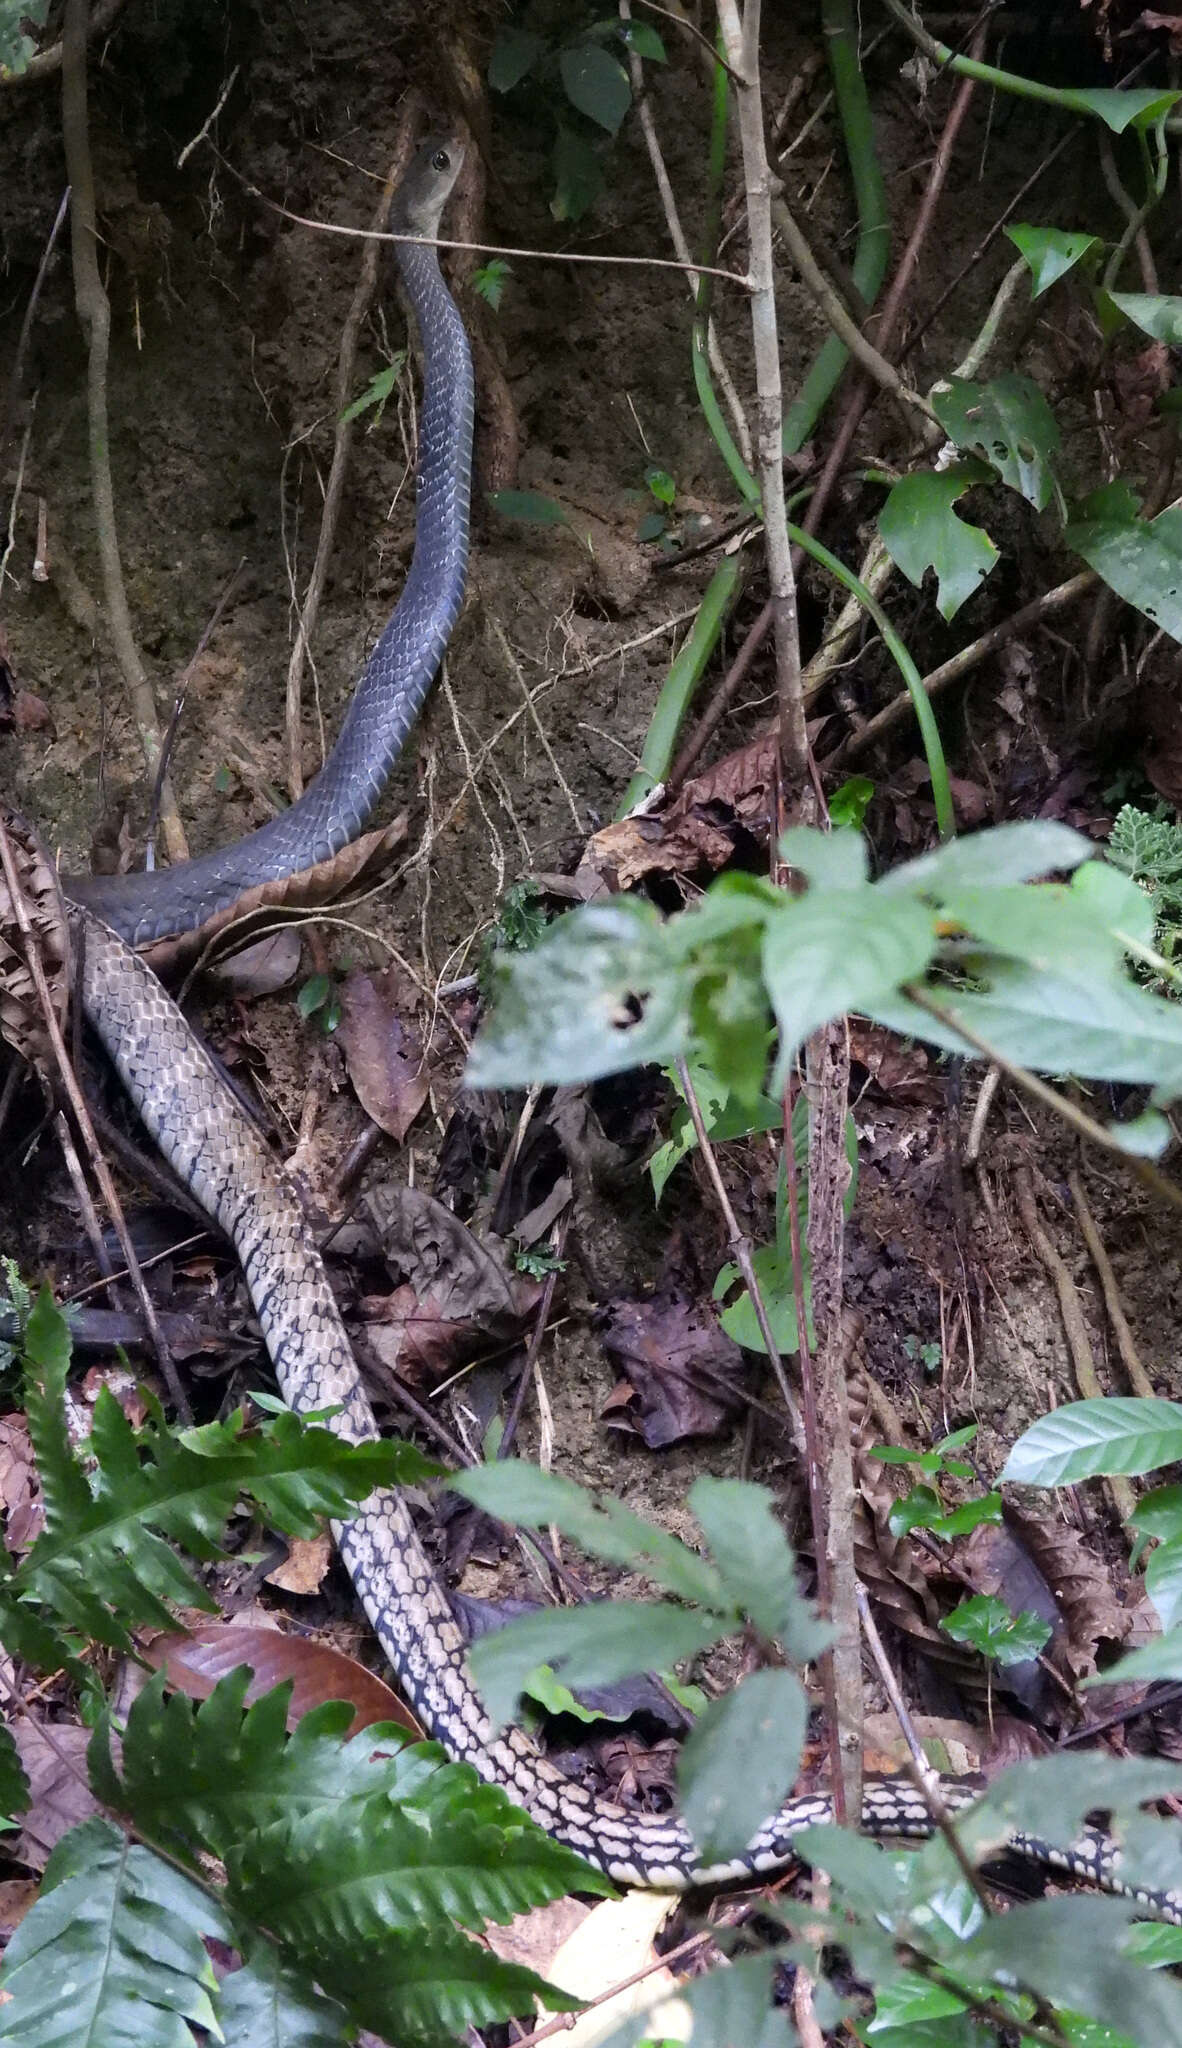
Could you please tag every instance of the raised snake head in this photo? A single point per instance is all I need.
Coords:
(421, 197)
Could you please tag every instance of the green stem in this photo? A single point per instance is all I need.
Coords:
(681, 682)
(703, 382)
(1101, 102)
(925, 717)
(840, 28)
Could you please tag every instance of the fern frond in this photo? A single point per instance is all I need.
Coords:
(105, 1560)
(268, 2004)
(1150, 847)
(424, 1989)
(112, 1952)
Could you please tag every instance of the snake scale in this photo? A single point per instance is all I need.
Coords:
(199, 1126)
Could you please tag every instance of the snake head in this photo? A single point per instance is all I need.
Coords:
(421, 197)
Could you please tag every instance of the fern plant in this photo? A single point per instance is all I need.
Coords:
(354, 1868)
(1151, 849)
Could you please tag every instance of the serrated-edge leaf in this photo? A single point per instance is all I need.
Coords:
(14, 1785)
(424, 1990)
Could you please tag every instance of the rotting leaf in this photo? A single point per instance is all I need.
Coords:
(686, 1374)
(384, 1054)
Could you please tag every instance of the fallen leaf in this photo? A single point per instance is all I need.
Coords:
(686, 1373)
(55, 1765)
(615, 1942)
(268, 965)
(195, 1662)
(31, 713)
(305, 1567)
(20, 1491)
(384, 1055)
(17, 1894)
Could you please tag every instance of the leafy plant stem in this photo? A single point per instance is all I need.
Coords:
(738, 460)
(839, 317)
(925, 717)
(839, 27)
(740, 1247)
(681, 682)
(1038, 1090)
(1069, 98)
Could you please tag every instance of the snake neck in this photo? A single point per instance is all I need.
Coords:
(393, 686)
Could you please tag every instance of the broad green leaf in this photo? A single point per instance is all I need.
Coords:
(1009, 424)
(522, 1494)
(1119, 107)
(757, 1564)
(1159, 1514)
(14, 1785)
(1154, 1946)
(594, 1645)
(112, 1953)
(1141, 559)
(1050, 253)
(313, 995)
(547, 1692)
(1160, 1658)
(1077, 928)
(427, 1988)
(595, 996)
(921, 531)
(533, 508)
(773, 1277)
(643, 39)
(829, 860)
(1068, 1950)
(908, 2000)
(1088, 1439)
(596, 84)
(850, 802)
(837, 950)
(725, 1116)
(1018, 852)
(514, 52)
(986, 1624)
(578, 176)
(734, 2005)
(1163, 1582)
(1052, 1796)
(268, 2003)
(1154, 313)
(1110, 1031)
(740, 1759)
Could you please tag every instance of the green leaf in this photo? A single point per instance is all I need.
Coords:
(1087, 1439)
(112, 1952)
(850, 802)
(1075, 928)
(427, 1988)
(313, 995)
(1068, 1950)
(490, 280)
(578, 176)
(377, 391)
(532, 508)
(1119, 107)
(1163, 1582)
(1009, 424)
(593, 1645)
(1151, 847)
(595, 996)
(836, 950)
(522, 1494)
(969, 1515)
(773, 1277)
(514, 52)
(921, 531)
(547, 1692)
(1159, 1514)
(595, 84)
(1154, 1946)
(1006, 853)
(1141, 559)
(829, 860)
(756, 1564)
(270, 2004)
(740, 1760)
(987, 1625)
(651, 527)
(14, 1785)
(661, 485)
(1049, 252)
(1154, 313)
(642, 39)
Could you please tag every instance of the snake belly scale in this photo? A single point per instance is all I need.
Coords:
(215, 1149)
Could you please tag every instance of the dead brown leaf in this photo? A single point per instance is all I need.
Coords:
(55, 1765)
(22, 1022)
(685, 1373)
(194, 1663)
(262, 969)
(1172, 24)
(384, 1054)
(305, 1567)
(20, 1492)
(17, 1894)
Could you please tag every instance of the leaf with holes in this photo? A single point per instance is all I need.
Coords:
(1141, 559)
(921, 530)
(1008, 424)
(1049, 252)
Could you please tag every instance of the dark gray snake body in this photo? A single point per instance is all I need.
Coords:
(217, 1152)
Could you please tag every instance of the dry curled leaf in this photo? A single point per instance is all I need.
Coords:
(384, 1054)
(194, 1663)
(270, 901)
(22, 1019)
(20, 1492)
(685, 1374)
(305, 1567)
(54, 1759)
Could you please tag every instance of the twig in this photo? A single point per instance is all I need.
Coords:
(1071, 1310)
(689, 29)
(342, 442)
(173, 726)
(207, 124)
(564, 2021)
(77, 1103)
(94, 313)
(14, 501)
(841, 320)
(15, 375)
(1138, 1378)
(535, 1344)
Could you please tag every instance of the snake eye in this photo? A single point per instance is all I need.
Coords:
(441, 161)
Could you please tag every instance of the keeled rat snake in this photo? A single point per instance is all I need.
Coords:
(218, 1154)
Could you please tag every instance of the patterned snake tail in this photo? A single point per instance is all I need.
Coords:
(399, 673)
(219, 1155)
(211, 1143)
